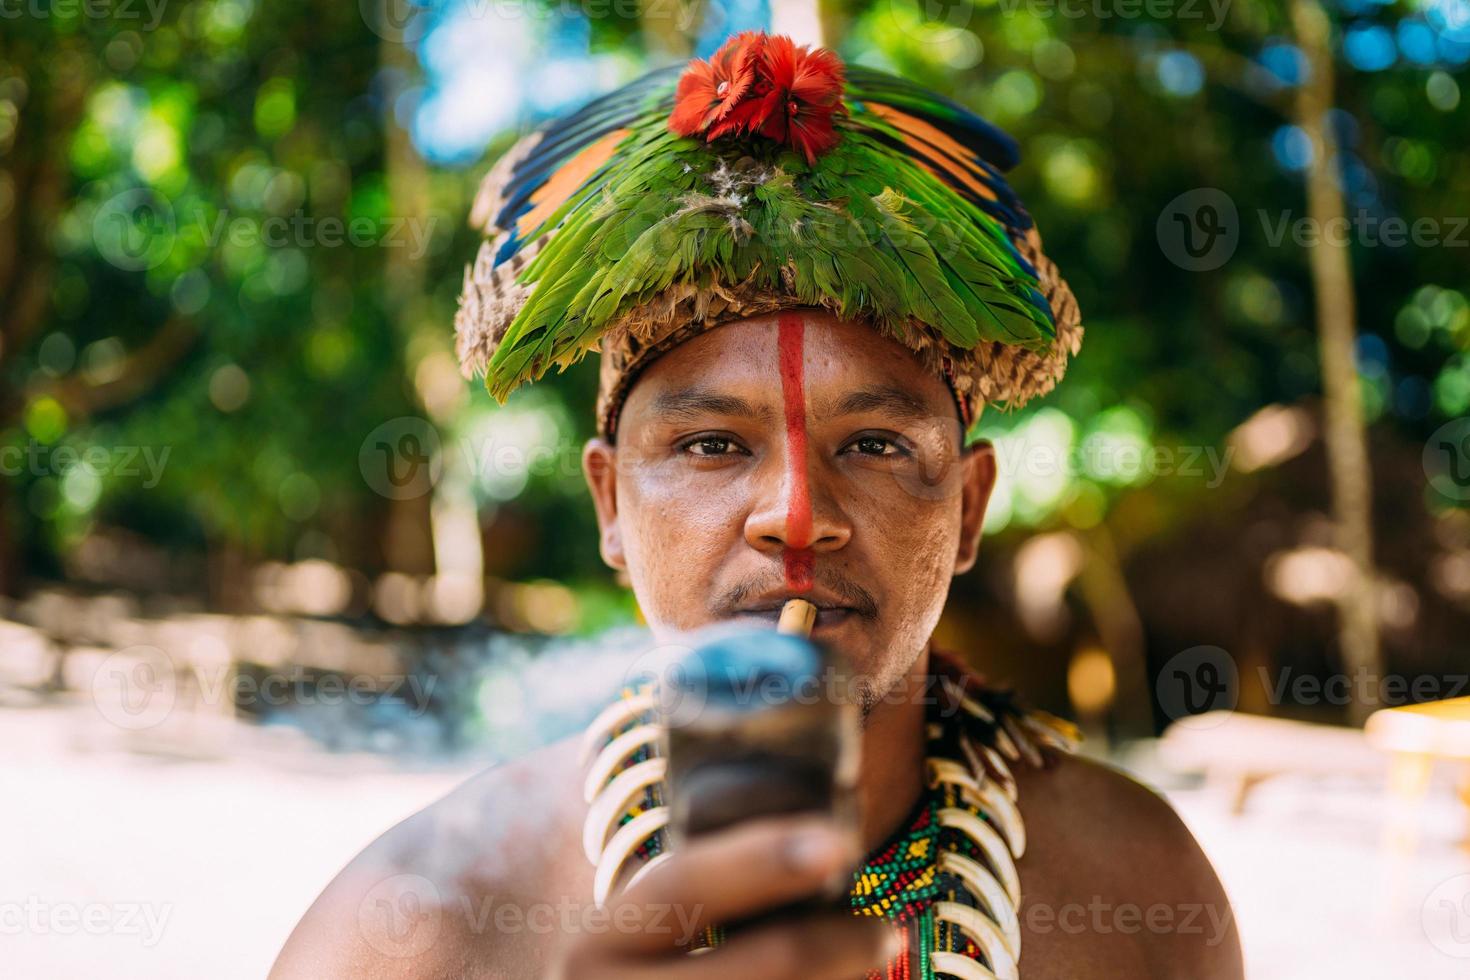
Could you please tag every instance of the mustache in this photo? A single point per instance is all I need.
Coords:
(846, 590)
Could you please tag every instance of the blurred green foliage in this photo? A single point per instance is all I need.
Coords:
(217, 241)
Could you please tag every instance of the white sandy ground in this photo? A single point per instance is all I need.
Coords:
(192, 856)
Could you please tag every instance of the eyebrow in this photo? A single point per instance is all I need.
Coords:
(689, 404)
(891, 400)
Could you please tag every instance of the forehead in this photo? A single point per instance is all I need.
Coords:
(838, 359)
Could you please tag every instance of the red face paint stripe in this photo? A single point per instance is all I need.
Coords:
(798, 564)
(798, 558)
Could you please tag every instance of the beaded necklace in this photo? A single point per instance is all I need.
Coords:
(948, 876)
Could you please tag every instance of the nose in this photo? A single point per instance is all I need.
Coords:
(778, 519)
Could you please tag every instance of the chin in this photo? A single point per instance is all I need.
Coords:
(876, 667)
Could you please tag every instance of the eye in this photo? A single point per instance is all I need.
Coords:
(875, 446)
(710, 446)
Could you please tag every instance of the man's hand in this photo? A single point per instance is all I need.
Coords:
(726, 877)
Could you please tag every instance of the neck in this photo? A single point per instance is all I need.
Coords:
(894, 742)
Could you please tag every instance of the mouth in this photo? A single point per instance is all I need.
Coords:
(831, 613)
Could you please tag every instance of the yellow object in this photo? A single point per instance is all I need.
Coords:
(1416, 735)
(797, 618)
(1437, 728)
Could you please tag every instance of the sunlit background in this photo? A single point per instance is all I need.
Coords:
(273, 575)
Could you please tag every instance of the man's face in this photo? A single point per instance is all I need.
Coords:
(793, 456)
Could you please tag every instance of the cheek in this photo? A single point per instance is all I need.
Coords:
(677, 505)
(927, 548)
(677, 534)
(913, 541)
(904, 514)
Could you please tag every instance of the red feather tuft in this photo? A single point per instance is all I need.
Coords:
(757, 83)
(709, 90)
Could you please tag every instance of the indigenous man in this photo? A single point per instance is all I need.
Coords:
(805, 280)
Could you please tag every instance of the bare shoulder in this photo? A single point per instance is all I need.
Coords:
(1113, 873)
(469, 886)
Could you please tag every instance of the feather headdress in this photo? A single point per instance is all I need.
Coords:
(769, 177)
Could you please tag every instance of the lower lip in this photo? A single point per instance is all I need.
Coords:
(832, 619)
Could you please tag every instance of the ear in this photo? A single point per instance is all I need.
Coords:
(599, 466)
(979, 474)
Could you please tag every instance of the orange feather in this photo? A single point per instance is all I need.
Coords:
(935, 144)
(567, 180)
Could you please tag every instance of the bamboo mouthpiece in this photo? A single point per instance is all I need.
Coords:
(797, 618)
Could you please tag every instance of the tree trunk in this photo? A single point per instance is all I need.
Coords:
(1344, 433)
(408, 544)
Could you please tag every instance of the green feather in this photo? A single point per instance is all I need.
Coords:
(864, 227)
